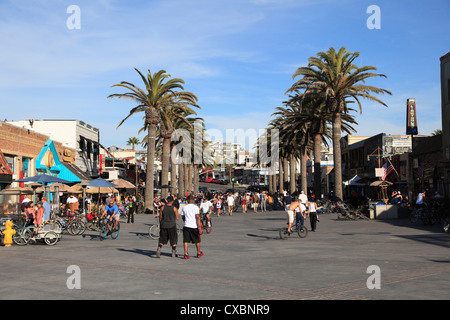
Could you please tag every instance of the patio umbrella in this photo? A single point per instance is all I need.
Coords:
(43, 178)
(100, 185)
(121, 183)
(62, 188)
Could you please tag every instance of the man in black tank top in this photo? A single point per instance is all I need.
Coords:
(168, 227)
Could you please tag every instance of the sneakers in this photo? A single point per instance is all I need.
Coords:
(186, 256)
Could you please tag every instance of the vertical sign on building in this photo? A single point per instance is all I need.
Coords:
(411, 117)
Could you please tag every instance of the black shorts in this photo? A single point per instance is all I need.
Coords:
(191, 235)
(166, 234)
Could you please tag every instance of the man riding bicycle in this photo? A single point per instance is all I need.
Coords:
(291, 208)
(205, 208)
(112, 211)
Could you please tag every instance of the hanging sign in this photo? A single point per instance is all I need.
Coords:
(411, 117)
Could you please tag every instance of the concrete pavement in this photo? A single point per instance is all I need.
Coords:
(244, 259)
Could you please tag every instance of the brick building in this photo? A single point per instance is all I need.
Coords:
(21, 147)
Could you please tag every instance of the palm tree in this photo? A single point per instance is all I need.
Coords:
(333, 77)
(171, 117)
(159, 92)
(313, 111)
(294, 138)
(133, 141)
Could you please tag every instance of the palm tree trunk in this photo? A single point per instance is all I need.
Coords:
(165, 167)
(303, 173)
(191, 172)
(274, 181)
(181, 179)
(280, 175)
(293, 184)
(337, 155)
(317, 169)
(196, 178)
(286, 172)
(186, 180)
(149, 182)
(173, 176)
(270, 181)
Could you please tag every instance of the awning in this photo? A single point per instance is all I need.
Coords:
(353, 182)
(76, 171)
(5, 170)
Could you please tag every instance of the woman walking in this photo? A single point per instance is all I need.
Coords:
(312, 211)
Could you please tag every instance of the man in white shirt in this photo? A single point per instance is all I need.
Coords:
(205, 208)
(303, 198)
(191, 217)
(230, 201)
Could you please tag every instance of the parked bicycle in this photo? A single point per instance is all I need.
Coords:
(94, 222)
(22, 235)
(124, 211)
(352, 215)
(446, 225)
(71, 223)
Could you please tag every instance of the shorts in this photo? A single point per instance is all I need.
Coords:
(191, 235)
(116, 217)
(290, 215)
(166, 234)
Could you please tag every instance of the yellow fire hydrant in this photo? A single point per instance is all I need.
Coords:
(8, 232)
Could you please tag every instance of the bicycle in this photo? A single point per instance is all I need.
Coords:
(124, 211)
(108, 229)
(95, 224)
(72, 223)
(420, 213)
(50, 233)
(153, 230)
(296, 227)
(352, 215)
(205, 224)
(23, 235)
(446, 225)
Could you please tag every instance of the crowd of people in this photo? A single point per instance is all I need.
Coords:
(297, 207)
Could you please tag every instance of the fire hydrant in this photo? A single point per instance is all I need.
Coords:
(8, 232)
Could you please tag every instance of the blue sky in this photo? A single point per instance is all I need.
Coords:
(237, 56)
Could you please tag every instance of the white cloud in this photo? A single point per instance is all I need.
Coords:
(47, 54)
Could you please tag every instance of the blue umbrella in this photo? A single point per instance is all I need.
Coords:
(101, 183)
(43, 178)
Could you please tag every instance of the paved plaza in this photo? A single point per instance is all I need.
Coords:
(244, 259)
